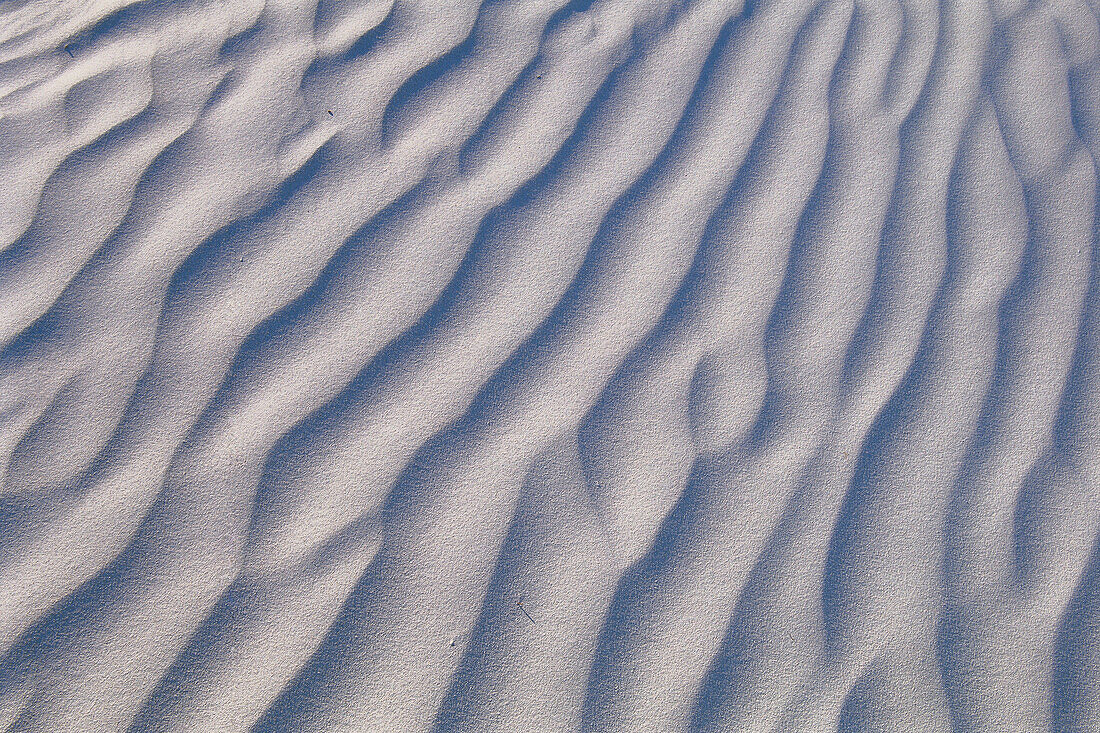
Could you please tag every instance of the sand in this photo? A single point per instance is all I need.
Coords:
(549, 365)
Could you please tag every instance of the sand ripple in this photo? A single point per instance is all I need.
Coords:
(564, 365)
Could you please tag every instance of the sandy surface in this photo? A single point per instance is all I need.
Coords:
(549, 365)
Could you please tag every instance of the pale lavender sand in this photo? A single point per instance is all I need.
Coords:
(549, 365)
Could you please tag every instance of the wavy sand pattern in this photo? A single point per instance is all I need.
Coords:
(549, 365)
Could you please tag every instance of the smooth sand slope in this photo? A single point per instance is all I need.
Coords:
(549, 365)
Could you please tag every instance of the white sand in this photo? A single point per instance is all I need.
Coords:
(549, 365)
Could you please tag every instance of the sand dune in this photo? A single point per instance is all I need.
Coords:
(549, 365)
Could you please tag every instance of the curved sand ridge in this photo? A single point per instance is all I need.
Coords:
(564, 365)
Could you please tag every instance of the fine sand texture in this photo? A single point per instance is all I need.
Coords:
(627, 366)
